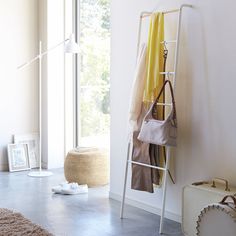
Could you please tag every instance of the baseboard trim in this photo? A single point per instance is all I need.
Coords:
(146, 207)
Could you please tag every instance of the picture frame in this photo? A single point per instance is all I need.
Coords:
(18, 157)
(33, 146)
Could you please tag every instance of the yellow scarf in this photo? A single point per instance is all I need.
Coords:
(154, 57)
(155, 63)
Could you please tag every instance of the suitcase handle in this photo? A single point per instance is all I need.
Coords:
(219, 180)
(225, 198)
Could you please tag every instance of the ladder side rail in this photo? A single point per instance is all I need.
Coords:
(176, 60)
(125, 181)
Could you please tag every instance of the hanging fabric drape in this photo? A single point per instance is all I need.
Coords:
(147, 84)
(138, 88)
(143, 178)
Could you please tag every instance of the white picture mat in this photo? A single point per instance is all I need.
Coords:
(18, 157)
(33, 145)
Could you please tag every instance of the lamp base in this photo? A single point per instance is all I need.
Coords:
(40, 173)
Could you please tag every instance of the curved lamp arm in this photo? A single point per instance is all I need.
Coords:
(71, 47)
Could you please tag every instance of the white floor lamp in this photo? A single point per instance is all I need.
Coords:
(70, 46)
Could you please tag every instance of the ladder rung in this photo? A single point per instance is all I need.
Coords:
(164, 104)
(161, 103)
(146, 165)
(169, 41)
(167, 73)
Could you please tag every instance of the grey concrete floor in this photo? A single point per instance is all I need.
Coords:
(92, 214)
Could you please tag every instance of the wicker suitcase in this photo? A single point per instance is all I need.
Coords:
(218, 219)
(199, 195)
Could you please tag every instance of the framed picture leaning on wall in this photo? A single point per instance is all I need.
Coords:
(18, 157)
(33, 144)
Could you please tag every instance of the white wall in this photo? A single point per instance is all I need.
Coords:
(18, 89)
(22, 24)
(205, 95)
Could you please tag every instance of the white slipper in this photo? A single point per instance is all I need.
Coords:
(74, 188)
(58, 188)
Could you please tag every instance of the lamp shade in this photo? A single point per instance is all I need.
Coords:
(71, 46)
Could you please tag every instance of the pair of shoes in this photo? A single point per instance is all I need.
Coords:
(70, 188)
(74, 188)
(58, 188)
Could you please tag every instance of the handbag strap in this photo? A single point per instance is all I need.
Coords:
(165, 54)
(172, 96)
(223, 201)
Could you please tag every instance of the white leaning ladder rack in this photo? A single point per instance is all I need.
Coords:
(129, 149)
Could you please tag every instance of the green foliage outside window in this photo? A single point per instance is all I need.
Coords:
(95, 67)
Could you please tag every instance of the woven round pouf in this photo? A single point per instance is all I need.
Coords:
(87, 166)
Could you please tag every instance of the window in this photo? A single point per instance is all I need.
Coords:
(94, 74)
(87, 113)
